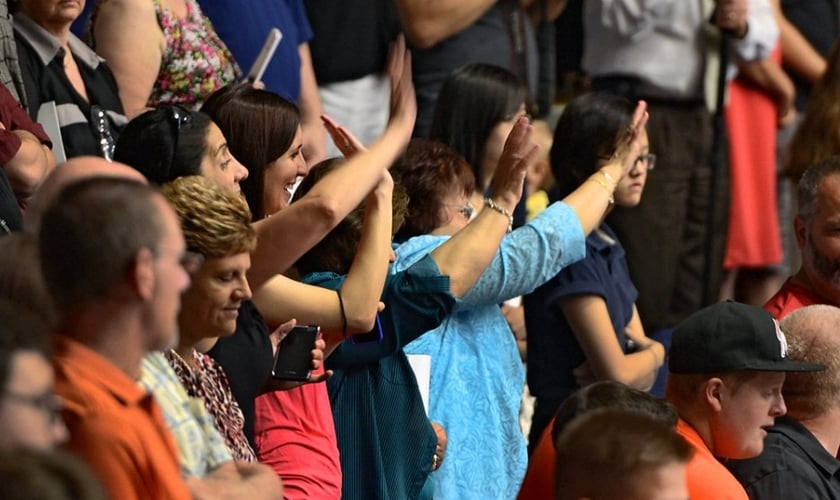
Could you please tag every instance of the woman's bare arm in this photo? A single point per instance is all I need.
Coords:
(590, 321)
(465, 256)
(283, 298)
(290, 233)
(130, 40)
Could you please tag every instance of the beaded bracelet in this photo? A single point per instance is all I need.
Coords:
(343, 315)
(502, 210)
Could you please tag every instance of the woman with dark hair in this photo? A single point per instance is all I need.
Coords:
(170, 142)
(476, 373)
(475, 111)
(583, 324)
(263, 132)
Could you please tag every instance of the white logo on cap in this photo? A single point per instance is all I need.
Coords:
(782, 340)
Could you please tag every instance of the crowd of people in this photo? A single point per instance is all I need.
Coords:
(399, 180)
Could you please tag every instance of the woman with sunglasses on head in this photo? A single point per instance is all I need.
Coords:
(171, 142)
(583, 325)
(164, 144)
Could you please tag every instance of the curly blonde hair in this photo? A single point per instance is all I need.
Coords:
(216, 221)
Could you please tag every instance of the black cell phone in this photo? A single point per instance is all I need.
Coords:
(293, 360)
(374, 335)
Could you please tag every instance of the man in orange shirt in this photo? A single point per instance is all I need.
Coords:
(111, 252)
(727, 365)
(113, 257)
(641, 455)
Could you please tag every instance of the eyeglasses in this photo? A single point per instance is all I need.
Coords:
(647, 159)
(178, 117)
(191, 262)
(467, 211)
(49, 403)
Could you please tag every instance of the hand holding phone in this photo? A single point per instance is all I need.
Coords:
(293, 359)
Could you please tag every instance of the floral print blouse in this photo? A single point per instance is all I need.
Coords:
(210, 384)
(196, 61)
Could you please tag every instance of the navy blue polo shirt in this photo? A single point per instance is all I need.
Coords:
(553, 349)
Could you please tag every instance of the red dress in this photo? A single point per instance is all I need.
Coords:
(754, 238)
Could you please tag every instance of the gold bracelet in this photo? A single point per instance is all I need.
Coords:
(502, 210)
(608, 177)
(604, 185)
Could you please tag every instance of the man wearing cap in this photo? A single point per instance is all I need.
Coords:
(727, 365)
(815, 230)
(798, 458)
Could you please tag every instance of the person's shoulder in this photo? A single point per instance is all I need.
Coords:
(783, 470)
(777, 453)
(110, 10)
(791, 296)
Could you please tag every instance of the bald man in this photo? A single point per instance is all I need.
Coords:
(74, 170)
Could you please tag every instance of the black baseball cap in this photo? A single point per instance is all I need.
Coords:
(730, 337)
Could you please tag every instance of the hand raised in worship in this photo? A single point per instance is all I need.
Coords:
(628, 146)
(518, 155)
(343, 139)
(403, 100)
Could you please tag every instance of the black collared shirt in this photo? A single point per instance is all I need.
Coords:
(793, 465)
(42, 63)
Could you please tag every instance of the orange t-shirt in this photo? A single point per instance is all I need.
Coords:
(540, 478)
(707, 478)
(115, 426)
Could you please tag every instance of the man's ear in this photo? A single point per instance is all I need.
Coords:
(800, 230)
(142, 274)
(711, 393)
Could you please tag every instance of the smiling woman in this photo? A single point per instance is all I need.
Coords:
(216, 224)
(170, 142)
(263, 130)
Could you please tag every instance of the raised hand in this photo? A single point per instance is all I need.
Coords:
(343, 139)
(628, 145)
(403, 99)
(518, 155)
